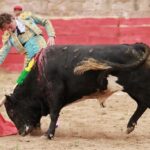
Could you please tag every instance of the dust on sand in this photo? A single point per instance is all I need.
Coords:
(84, 125)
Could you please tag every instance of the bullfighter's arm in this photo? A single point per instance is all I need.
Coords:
(4, 51)
(46, 23)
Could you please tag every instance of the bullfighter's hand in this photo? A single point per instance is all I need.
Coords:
(51, 41)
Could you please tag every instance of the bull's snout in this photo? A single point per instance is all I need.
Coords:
(25, 130)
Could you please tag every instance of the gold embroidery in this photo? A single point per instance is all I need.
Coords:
(17, 43)
(34, 28)
(5, 37)
(25, 15)
(26, 36)
(26, 19)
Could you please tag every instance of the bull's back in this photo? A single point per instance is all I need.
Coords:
(68, 56)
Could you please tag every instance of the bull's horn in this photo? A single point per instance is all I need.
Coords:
(2, 101)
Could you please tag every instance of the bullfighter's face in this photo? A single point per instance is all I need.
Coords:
(22, 116)
(11, 27)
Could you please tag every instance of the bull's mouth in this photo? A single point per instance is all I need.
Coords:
(26, 130)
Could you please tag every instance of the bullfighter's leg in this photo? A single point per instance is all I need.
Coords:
(133, 120)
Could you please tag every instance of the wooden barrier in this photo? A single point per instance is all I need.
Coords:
(91, 31)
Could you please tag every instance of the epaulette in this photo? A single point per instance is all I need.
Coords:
(25, 15)
(5, 37)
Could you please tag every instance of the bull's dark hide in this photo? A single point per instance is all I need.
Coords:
(64, 74)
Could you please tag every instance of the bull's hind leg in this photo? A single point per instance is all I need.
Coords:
(133, 120)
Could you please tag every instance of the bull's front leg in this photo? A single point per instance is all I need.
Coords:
(51, 131)
(54, 114)
(56, 89)
(133, 120)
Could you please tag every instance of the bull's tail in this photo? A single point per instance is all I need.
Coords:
(93, 64)
(90, 64)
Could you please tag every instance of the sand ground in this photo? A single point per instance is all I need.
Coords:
(84, 125)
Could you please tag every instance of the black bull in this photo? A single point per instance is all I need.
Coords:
(64, 74)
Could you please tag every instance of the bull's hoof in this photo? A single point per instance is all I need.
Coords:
(50, 136)
(47, 136)
(129, 130)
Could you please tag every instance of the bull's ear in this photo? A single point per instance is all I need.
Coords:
(8, 99)
(5, 99)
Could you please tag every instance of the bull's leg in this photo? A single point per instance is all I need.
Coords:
(55, 105)
(133, 120)
(102, 81)
(51, 131)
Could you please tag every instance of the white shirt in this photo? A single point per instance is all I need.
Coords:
(20, 25)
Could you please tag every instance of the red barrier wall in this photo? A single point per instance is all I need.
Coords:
(91, 31)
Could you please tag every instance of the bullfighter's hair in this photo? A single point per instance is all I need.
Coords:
(4, 19)
(90, 64)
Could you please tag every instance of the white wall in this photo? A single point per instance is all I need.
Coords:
(82, 8)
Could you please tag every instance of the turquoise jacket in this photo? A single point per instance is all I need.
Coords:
(29, 42)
